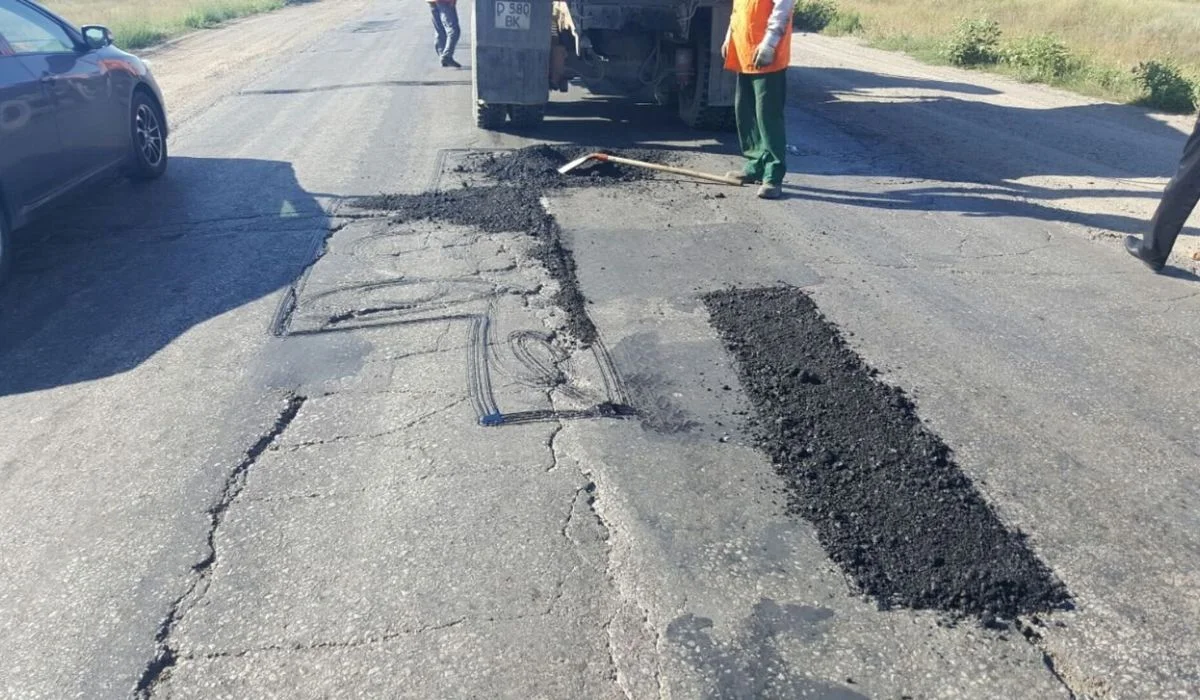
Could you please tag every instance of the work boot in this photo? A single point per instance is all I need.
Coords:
(449, 62)
(769, 191)
(1133, 245)
(743, 177)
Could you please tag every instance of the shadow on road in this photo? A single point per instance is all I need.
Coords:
(109, 280)
(940, 131)
(615, 122)
(943, 131)
(951, 132)
(865, 80)
(1180, 274)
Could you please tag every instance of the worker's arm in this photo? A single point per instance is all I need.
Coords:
(777, 26)
(778, 23)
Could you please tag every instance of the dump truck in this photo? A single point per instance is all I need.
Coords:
(666, 51)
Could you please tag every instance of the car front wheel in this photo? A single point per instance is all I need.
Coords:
(149, 157)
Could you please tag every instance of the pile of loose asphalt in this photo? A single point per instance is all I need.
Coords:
(513, 203)
(889, 504)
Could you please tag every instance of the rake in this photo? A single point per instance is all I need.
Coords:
(605, 158)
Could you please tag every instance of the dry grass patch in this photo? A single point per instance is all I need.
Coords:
(1091, 46)
(140, 23)
(1121, 31)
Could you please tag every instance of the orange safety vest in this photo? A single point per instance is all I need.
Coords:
(747, 28)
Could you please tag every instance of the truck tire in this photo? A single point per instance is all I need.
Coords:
(694, 109)
(712, 119)
(489, 116)
(525, 116)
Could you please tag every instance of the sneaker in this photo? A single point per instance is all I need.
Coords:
(743, 177)
(770, 192)
(449, 62)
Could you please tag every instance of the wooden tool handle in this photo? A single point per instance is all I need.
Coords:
(670, 169)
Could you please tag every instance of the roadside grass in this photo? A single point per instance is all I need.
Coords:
(825, 16)
(137, 24)
(1143, 52)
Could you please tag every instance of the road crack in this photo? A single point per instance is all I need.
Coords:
(317, 442)
(369, 640)
(1076, 687)
(166, 655)
(617, 637)
(290, 301)
(558, 428)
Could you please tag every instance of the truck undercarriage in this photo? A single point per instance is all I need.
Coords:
(665, 51)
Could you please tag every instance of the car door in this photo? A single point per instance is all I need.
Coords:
(29, 141)
(76, 82)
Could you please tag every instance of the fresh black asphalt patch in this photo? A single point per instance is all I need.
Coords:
(889, 504)
(514, 203)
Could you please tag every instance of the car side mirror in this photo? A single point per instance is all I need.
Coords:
(97, 37)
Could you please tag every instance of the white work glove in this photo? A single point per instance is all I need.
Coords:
(764, 55)
(725, 45)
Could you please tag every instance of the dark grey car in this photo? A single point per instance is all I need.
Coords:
(73, 108)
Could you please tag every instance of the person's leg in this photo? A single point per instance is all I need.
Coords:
(439, 31)
(450, 20)
(749, 135)
(1179, 199)
(770, 92)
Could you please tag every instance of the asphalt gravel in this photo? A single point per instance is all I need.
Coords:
(889, 503)
(515, 204)
(537, 166)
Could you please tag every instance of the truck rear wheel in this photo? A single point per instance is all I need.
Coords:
(490, 116)
(524, 116)
(694, 108)
(704, 118)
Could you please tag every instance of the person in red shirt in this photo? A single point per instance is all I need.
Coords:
(445, 27)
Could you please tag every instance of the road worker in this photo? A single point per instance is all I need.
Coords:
(562, 30)
(1179, 199)
(446, 30)
(758, 48)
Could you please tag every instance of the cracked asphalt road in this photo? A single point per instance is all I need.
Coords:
(242, 451)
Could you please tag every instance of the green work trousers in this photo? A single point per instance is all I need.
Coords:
(758, 105)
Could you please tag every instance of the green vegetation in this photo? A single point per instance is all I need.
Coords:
(813, 15)
(975, 43)
(1042, 59)
(845, 23)
(137, 24)
(824, 16)
(210, 15)
(138, 35)
(1144, 52)
(1165, 87)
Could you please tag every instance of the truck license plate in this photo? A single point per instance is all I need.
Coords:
(513, 15)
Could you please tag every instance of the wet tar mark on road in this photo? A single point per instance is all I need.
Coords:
(515, 204)
(889, 504)
(750, 665)
(509, 200)
(650, 387)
